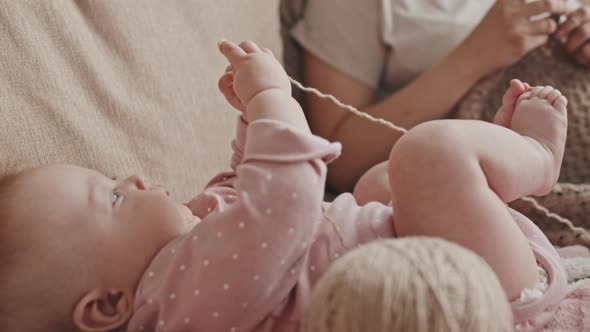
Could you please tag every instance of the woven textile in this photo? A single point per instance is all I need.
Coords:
(549, 65)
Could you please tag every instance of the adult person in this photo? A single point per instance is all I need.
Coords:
(411, 61)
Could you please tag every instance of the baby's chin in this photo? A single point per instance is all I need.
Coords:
(188, 218)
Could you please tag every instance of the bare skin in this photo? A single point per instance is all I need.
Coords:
(503, 37)
(481, 167)
(107, 231)
(574, 33)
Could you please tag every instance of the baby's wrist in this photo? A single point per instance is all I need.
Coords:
(278, 105)
(265, 93)
(266, 104)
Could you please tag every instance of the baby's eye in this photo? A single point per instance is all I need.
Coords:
(116, 197)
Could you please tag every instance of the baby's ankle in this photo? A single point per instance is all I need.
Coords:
(551, 173)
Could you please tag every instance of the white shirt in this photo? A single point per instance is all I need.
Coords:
(387, 43)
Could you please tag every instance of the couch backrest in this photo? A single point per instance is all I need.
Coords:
(123, 86)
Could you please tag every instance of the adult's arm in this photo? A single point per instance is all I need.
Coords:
(504, 35)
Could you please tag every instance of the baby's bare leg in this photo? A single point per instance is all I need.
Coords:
(373, 186)
(451, 179)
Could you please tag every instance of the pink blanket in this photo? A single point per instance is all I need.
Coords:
(573, 314)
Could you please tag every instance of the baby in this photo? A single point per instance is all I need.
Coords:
(83, 252)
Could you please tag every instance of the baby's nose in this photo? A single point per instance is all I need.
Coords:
(137, 182)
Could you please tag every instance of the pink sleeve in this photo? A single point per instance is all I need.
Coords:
(239, 143)
(220, 187)
(244, 258)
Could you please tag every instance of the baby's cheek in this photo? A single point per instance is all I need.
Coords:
(172, 219)
(159, 228)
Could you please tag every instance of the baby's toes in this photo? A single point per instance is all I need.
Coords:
(511, 95)
(525, 96)
(535, 91)
(554, 94)
(560, 103)
(545, 91)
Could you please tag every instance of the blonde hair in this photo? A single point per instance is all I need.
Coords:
(412, 284)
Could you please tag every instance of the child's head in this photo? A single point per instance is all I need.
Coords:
(411, 284)
(74, 245)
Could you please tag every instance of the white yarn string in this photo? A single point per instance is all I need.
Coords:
(348, 107)
(553, 215)
(390, 125)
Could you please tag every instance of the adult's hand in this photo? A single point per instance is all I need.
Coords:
(575, 34)
(507, 32)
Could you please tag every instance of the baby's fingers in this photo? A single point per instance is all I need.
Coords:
(232, 52)
(249, 46)
(226, 87)
(268, 51)
(226, 82)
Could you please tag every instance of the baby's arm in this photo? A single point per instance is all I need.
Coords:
(243, 260)
(257, 85)
(250, 249)
(240, 264)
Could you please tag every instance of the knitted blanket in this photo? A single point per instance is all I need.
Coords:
(549, 65)
(573, 313)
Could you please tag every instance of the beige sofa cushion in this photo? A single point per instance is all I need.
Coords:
(123, 86)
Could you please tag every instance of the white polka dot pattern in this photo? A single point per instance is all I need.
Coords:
(252, 246)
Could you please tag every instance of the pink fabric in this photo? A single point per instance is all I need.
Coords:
(533, 316)
(573, 313)
(263, 241)
(573, 251)
(266, 238)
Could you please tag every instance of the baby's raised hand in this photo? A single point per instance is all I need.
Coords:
(252, 70)
(226, 86)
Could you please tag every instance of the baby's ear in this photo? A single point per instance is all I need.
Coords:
(103, 310)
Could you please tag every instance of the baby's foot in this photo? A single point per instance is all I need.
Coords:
(504, 114)
(539, 114)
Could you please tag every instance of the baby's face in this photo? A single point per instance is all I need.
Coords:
(121, 224)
